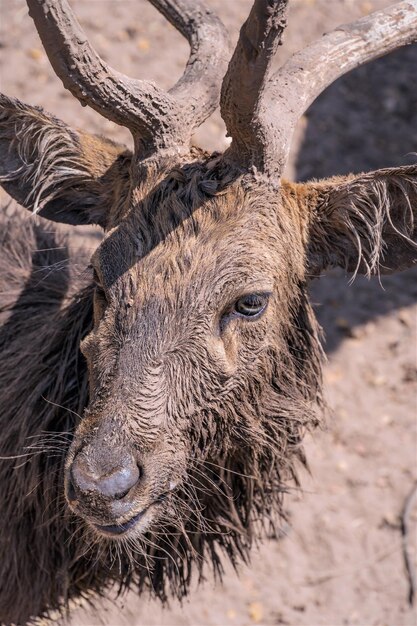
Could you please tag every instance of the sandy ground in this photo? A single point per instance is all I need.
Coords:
(341, 561)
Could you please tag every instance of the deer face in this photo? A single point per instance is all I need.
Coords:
(185, 322)
(204, 362)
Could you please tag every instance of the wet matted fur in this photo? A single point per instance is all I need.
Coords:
(208, 406)
(243, 444)
(241, 455)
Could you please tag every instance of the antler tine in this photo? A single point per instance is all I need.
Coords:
(198, 89)
(308, 72)
(156, 118)
(246, 78)
(262, 121)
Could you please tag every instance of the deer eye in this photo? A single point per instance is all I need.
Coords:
(251, 305)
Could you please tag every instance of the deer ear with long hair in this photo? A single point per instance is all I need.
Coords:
(59, 173)
(366, 224)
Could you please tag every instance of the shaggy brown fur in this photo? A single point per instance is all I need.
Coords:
(212, 406)
(240, 443)
(191, 324)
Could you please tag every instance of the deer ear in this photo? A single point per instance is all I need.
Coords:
(64, 175)
(366, 224)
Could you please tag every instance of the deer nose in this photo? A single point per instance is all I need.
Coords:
(114, 481)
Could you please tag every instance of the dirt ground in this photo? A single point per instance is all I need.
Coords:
(341, 560)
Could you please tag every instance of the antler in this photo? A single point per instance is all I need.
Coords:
(157, 119)
(246, 77)
(262, 122)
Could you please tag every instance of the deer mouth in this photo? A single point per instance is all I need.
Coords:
(124, 527)
(120, 529)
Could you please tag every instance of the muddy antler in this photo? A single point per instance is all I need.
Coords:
(246, 77)
(157, 119)
(262, 120)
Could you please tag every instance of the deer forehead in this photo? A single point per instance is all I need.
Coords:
(211, 248)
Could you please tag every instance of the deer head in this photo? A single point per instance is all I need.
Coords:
(204, 359)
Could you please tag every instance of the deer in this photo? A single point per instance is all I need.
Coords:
(154, 404)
